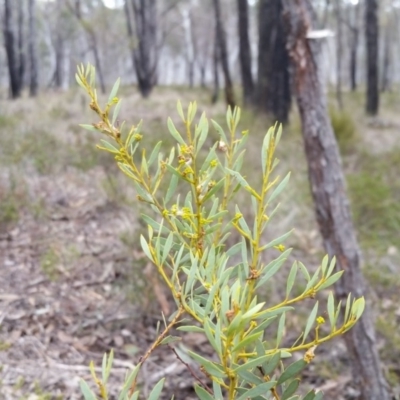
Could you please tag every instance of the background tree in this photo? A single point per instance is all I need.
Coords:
(245, 51)
(90, 31)
(33, 58)
(21, 42)
(274, 94)
(372, 44)
(223, 54)
(141, 17)
(330, 200)
(11, 52)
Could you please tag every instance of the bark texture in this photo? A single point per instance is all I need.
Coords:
(372, 44)
(33, 58)
(21, 42)
(273, 88)
(245, 51)
(329, 194)
(141, 17)
(10, 47)
(215, 94)
(223, 54)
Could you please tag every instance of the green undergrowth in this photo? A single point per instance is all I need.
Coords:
(375, 198)
(344, 129)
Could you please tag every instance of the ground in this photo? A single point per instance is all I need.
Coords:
(74, 282)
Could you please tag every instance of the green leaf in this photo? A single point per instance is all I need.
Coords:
(304, 271)
(310, 321)
(257, 390)
(358, 307)
(114, 90)
(154, 153)
(170, 339)
(167, 247)
(331, 310)
(270, 366)
(210, 336)
(281, 329)
(219, 129)
(279, 188)
(249, 377)
(171, 188)
(277, 241)
(155, 393)
(312, 395)
(331, 280)
(247, 341)
(128, 383)
(250, 364)
(254, 310)
(109, 147)
(180, 110)
(202, 393)
(174, 132)
(331, 266)
(86, 391)
(217, 391)
(264, 149)
(291, 389)
(145, 247)
(211, 367)
(89, 127)
(116, 111)
(292, 370)
(272, 268)
(291, 279)
(190, 328)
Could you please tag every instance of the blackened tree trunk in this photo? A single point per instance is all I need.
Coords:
(10, 47)
(33, 59)
(330, 200)
(215, 94)
(372, 40)
(223, 54)
(141, 17)
(273, 88)
(354, 41)
(21, 47)
(245, 51)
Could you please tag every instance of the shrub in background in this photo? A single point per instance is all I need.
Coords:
(215, 285)
(344, 128)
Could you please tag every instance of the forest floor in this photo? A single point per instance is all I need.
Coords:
(74, 282)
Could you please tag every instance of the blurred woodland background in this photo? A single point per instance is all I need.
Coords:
(73, 280)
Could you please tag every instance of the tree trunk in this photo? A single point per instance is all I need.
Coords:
(223, 55)
(21, 49)
(143, 42)
(354, 40)
(274, 93)
(329, 194)
(216, 53)
(245, 51)
(33, 59)
(186, 14)
(9, 43)
(339, 51)
(372, 40)
(386, 57)
(92, 40)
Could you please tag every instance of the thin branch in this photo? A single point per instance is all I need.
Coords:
(205, 386)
